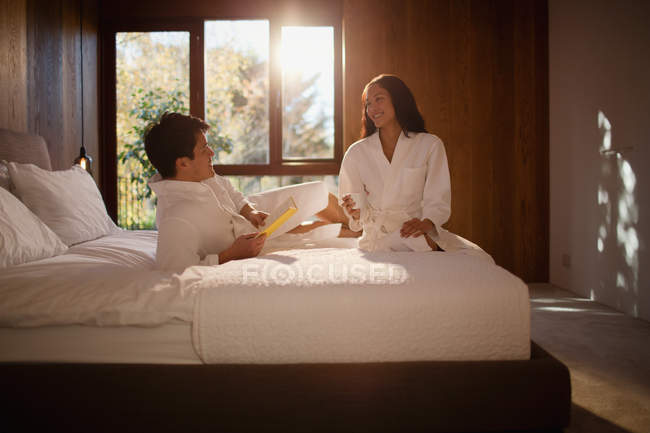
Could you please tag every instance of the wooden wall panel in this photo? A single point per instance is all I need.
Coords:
(70, 81)
(384, 38)
(45, 76)
(41, 74)
(541, 182)
(531, 139)
(460, 154)
(13, 65)
(481, 125)
(54, 85)
(504, 136)
(478, 70)
(90, 82)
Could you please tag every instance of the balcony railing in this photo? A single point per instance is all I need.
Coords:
(134, 213)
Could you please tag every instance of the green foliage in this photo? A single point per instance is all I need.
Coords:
(236, 104)
(150, 105)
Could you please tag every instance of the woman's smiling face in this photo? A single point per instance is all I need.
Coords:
(379, 106)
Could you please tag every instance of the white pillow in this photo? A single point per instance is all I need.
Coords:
(23, 237)
(67, 201)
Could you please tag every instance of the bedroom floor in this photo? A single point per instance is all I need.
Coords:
(608, 355)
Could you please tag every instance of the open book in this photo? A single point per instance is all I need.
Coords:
(279, 216)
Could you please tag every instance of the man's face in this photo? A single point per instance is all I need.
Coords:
(200, 168)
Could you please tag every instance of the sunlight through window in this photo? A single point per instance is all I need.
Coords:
(237, 90)
(307, 92)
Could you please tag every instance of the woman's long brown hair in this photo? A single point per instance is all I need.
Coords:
(406, 110)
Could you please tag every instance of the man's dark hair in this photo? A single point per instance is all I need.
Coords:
(173, 137)
(406, 110)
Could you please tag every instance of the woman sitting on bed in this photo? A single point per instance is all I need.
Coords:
(394, 182)
(201, 218)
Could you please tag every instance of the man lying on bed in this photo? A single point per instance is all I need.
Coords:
(201, 218)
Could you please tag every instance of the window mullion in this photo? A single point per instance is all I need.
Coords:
(197, 70)
(275, 96)
(338, 92)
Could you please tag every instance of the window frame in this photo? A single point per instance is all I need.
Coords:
(277, 166)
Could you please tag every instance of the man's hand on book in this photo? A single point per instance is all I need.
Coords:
(244, 247)
(257, 218)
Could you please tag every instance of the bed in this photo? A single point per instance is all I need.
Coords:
(321, 338)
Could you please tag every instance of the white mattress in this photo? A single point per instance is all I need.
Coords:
(103, 302)
(170, 343)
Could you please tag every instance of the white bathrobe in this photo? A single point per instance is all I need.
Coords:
(198, 220)
(415, 184)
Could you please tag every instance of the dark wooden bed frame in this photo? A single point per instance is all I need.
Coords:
(462, 396)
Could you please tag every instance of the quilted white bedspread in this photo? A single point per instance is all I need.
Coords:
(345, 305)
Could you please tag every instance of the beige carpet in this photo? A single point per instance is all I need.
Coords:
(608, 355)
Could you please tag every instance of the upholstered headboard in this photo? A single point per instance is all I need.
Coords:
(24, 148)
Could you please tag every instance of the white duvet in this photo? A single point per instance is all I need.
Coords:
(105, 282)
(307, 305)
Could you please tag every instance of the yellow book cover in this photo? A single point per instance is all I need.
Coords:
(279, 216)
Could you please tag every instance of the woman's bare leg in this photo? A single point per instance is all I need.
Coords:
(307, 226)
(332, 214)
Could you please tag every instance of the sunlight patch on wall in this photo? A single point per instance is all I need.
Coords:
(617, 238)
(603, 200)
(606, 127)
(628, 212)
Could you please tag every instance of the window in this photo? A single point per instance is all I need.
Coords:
(270, 90)
(237, 90)
(145, 87)
(307, 92)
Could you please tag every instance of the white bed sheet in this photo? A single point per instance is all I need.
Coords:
(105, 282)
(165, 344)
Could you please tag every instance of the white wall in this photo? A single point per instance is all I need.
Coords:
(599, 61)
